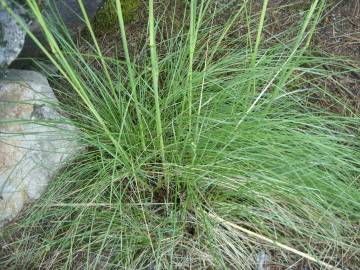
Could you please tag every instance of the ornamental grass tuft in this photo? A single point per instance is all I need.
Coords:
(210, 131)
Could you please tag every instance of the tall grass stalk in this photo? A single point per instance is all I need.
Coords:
(259, 32)
(206, 149)
(130, 71)
(155, 80)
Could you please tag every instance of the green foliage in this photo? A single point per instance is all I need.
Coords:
(203, 124)
(106, 19)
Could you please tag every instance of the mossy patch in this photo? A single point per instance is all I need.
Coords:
(106, 19)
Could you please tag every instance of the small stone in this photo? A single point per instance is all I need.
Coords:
(262, 261)
(33, 140)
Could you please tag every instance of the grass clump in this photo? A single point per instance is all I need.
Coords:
(205, 126)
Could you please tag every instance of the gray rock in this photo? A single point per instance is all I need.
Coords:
(34, 140)
(15, 43)
(12, 37)
(69, 12)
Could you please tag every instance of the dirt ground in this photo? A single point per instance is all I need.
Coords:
(338, 34)
(339, 31)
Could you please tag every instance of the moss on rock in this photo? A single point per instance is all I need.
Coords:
(106, 19)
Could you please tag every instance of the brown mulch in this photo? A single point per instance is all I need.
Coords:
(340, 31)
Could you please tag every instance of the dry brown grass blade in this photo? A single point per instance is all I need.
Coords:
(276, 243)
